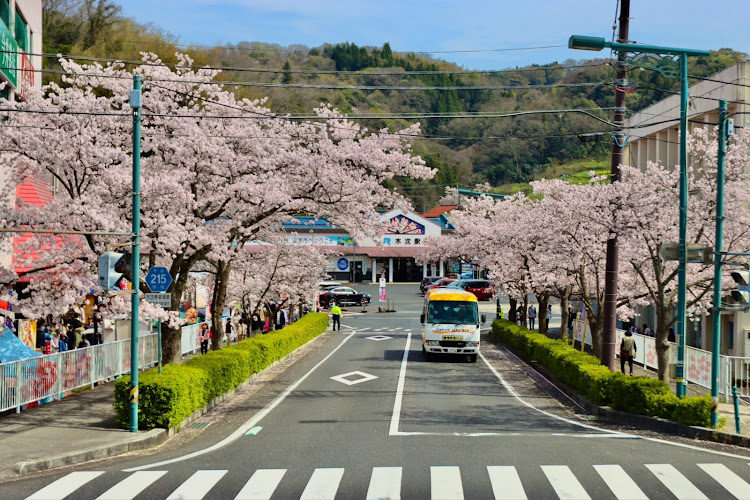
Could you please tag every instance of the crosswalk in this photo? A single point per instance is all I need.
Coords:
(445, 483)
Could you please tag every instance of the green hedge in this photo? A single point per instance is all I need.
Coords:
(167, 399)
(584, 373)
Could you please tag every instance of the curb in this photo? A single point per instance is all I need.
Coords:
(143, 440)
(148, 439)
(646, 422)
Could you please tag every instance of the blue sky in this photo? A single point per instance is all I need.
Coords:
(449, 25)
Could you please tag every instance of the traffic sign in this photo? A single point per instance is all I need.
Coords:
(158, 279)
(160, 299)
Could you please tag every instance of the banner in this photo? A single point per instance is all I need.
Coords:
(27, 332)
(382, 294)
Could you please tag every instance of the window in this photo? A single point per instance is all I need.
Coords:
(5, 12)
(22, 35)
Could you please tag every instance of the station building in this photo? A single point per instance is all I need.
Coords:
(401, 240)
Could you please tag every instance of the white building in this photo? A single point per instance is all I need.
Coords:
(660, 143)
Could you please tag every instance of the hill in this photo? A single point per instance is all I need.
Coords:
(384, 85)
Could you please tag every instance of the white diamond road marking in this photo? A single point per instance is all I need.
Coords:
(364, 378)
(378, 337)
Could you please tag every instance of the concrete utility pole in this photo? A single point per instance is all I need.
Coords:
(610, 277)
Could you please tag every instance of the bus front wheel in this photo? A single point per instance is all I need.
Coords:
(472, 358)
(427, 356)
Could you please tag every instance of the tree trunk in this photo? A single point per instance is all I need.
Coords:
(219, 300)
(595, 324)
(662, 345)
(542, 313)
(512, 310)
(565, 316)
(171, 338)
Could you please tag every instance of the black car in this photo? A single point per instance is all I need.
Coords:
(428, 281)
(343, 296)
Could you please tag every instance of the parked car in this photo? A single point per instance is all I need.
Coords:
(440, 283)
(428, 281)
(481, 288)
(343, 296)
(327, 284)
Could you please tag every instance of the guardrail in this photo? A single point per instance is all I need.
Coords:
(50, 377)
(734, 370)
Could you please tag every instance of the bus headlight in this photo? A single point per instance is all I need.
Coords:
(472, 344)
(433, 342)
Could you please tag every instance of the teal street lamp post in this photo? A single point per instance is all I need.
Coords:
(673, 63)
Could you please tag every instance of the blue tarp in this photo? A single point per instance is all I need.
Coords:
(12, 349)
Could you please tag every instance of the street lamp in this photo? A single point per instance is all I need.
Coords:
(672, 63)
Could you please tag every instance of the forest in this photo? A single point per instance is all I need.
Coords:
(380, 88)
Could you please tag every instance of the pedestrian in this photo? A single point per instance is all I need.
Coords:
(204, 336)
(228, 330)
(647, 331)
(280, 318)
(571, 318)
(336, 315)
(627, 352)
(671, 336)
(255, 323)
(532, 316)
(548, 316)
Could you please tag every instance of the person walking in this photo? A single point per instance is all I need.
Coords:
(532, 316)
(204, 337)
(228, 330)
(548, 316)
(336, 315)
(627, 352)
(280, 317)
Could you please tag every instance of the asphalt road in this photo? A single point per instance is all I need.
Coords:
(360, 414)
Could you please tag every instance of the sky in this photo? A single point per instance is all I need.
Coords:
(475, 34)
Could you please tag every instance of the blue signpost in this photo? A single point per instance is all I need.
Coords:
(158, 279)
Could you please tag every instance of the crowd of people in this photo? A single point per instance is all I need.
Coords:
(67, 334)
(527, 317)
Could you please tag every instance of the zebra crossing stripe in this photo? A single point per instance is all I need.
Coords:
(445, 483)
(323, 484)
(385, 484)
(506, 485)
(261, 485)
(564, 482)
(733, 483)
(132, 485)
(622, 485)
(676, 482)
(64, 486)
(197, 485)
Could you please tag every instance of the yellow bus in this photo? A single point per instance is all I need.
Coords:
(450, 323)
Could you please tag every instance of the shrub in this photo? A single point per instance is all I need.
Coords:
(585, 374)
(166, 399)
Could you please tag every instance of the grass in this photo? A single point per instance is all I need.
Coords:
(576, 172)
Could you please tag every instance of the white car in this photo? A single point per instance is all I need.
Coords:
(322, 285)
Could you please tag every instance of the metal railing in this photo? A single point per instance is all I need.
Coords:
(50, 377)
(734, 370)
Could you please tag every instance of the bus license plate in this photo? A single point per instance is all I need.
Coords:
(453, 337)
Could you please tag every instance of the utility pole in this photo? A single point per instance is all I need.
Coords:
(135, 103)
(610, 277)
(718, 243)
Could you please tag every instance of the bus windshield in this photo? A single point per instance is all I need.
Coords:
(452, 312)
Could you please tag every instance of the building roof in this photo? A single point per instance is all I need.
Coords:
(438, 211)
(306, 222)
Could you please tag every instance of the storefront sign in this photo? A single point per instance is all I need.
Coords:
(8, 57)
(342, 264)
(160, 299)
(27, 75)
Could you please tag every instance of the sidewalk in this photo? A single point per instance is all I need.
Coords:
(726, 410)
(75, 429)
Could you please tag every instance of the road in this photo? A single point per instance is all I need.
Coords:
(362, 415)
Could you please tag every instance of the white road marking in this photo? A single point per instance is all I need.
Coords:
(445, 483)
(261, 485)
(132, 485)
(621, 484)
(676, 482)
(506, 485)
(363, 377)
(64, 486)
(242, 430)
(733, 483)
(198, 485)
(323, 484)
(385, 484)
(400, 390)
(564, 482)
